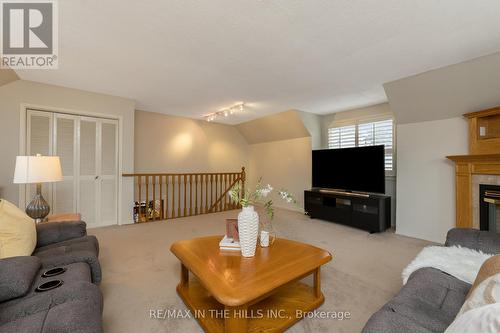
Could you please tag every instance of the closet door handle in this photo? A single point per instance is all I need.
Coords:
(96, 177)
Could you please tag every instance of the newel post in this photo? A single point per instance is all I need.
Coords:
(243, 178)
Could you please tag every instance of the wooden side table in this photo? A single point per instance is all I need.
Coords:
(231, 294)
(64, 217)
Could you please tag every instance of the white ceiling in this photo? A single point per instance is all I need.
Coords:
(189, 58)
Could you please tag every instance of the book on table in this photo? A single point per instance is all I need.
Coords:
(229, 244)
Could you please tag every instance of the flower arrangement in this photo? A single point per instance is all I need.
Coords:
(247, 221)
(260, 195)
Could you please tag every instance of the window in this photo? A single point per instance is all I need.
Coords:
(365, 134)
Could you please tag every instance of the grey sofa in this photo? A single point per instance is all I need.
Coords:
(431, 299)
(74, 306)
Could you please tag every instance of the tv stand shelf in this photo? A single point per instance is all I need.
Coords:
(370, 212)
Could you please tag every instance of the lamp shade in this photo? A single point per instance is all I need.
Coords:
(37, 169)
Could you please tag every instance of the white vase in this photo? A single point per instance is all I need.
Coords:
(248, 229)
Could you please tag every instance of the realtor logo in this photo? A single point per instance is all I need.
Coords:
(29, 34)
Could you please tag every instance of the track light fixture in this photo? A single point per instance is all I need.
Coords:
(225, 112)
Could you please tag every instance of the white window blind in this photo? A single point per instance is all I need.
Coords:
(365, 134)
(342, 137)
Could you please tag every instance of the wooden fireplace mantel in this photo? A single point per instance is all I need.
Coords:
(479, 159)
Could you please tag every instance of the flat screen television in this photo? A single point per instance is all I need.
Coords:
(360, 169)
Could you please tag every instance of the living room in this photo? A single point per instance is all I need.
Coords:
(250, 167)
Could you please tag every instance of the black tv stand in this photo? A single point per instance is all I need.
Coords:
(370, 212)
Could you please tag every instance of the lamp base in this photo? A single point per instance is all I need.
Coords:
(38, 208)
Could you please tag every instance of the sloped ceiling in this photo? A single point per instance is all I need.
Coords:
(282, 126)
(446, 92)
(189, 58)
(7, 76)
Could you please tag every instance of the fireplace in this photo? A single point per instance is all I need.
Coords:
(483, 160)
(489, 207)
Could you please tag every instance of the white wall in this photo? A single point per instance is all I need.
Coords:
(425, 178)
(51, 97)
(283, 164)
(280, 148)
(176, 144)
(314, 125)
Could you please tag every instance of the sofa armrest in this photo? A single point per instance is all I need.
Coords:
(54, 232)
(485, 241)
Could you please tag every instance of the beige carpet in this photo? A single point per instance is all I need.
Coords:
(140, 273)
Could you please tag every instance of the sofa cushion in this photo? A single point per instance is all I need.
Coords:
(437, 289)
(84, 239)
(387, 321)
(486, 241)
(31, 323)
(73, 307)
(76, 316)
(55, 232)
(84, 249)
(16, 276)
(427, 303)
(17, 231)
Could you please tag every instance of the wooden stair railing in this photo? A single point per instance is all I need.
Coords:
(162, 196)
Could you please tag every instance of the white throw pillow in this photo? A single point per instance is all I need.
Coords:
(485, 319)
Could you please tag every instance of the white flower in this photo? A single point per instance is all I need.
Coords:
(264, 192)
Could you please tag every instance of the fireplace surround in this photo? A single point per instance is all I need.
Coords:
(489, 207)
(466, 167)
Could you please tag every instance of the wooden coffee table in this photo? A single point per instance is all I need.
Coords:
(230, 293)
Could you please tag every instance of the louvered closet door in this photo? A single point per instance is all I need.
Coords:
(98, 183)
(108, 164)
(65, 139)
(88, 195)
(39, 141)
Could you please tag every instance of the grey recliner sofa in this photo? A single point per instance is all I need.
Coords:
(431, 299)
(75, 305)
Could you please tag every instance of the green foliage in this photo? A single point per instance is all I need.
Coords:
(268, 206)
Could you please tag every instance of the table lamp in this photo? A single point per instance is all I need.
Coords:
(37, 170)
